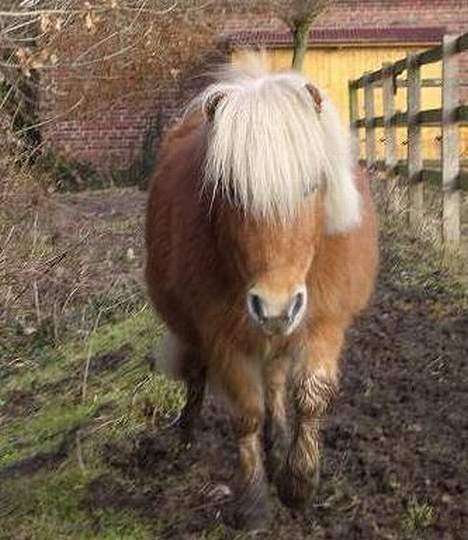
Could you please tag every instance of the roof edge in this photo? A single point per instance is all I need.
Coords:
(336, 36)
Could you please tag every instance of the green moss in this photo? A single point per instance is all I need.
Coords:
(44, 471)
(41, 432)
(119, 525)
(48, 365)
(52, 506)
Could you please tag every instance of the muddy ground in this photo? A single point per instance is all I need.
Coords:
(395, 457)
(395, 447)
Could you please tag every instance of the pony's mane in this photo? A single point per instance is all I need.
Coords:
(268, 146)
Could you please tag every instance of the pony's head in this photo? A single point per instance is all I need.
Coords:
(279, 161)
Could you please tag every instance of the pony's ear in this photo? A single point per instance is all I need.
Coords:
(210, 105)
(316, 96)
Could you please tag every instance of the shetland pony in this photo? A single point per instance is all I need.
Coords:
(261, 248)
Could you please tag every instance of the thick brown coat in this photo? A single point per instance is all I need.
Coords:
(203, 255)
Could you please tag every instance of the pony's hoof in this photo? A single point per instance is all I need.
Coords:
(295, 491)
(249, 510)
(184, 429)
(255, 519)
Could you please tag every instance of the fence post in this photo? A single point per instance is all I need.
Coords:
(369, 118)
(391, 155)
(415, 159)
(450, 145)
(353, 117)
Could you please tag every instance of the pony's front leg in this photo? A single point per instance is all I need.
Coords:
(250, 505)
(315, 381)
(275, 432)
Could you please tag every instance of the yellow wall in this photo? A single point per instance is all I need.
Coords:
(332, 67)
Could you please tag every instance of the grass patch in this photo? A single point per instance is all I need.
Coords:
(51, 506)
(418, 516)
(49, 456)
(40, 432)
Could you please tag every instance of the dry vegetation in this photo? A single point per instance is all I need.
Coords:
(429, 228)
(62, 272)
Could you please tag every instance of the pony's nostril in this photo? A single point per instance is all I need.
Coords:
(256, 307)
(296, 305)
(277, 314)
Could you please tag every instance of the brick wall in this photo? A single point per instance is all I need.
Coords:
(114, 136)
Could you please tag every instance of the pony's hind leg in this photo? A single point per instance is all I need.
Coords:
(182, 362)
(275, 430)
(195, 383)
(314, 387)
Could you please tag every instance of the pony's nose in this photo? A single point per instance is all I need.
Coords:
(277, 315)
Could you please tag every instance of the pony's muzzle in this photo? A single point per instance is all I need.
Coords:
(275, 315)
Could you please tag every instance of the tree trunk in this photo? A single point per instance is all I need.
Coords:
(301, 40)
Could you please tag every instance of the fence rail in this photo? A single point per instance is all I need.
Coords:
(448, 117)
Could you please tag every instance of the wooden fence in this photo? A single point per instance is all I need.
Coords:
(448, 176)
